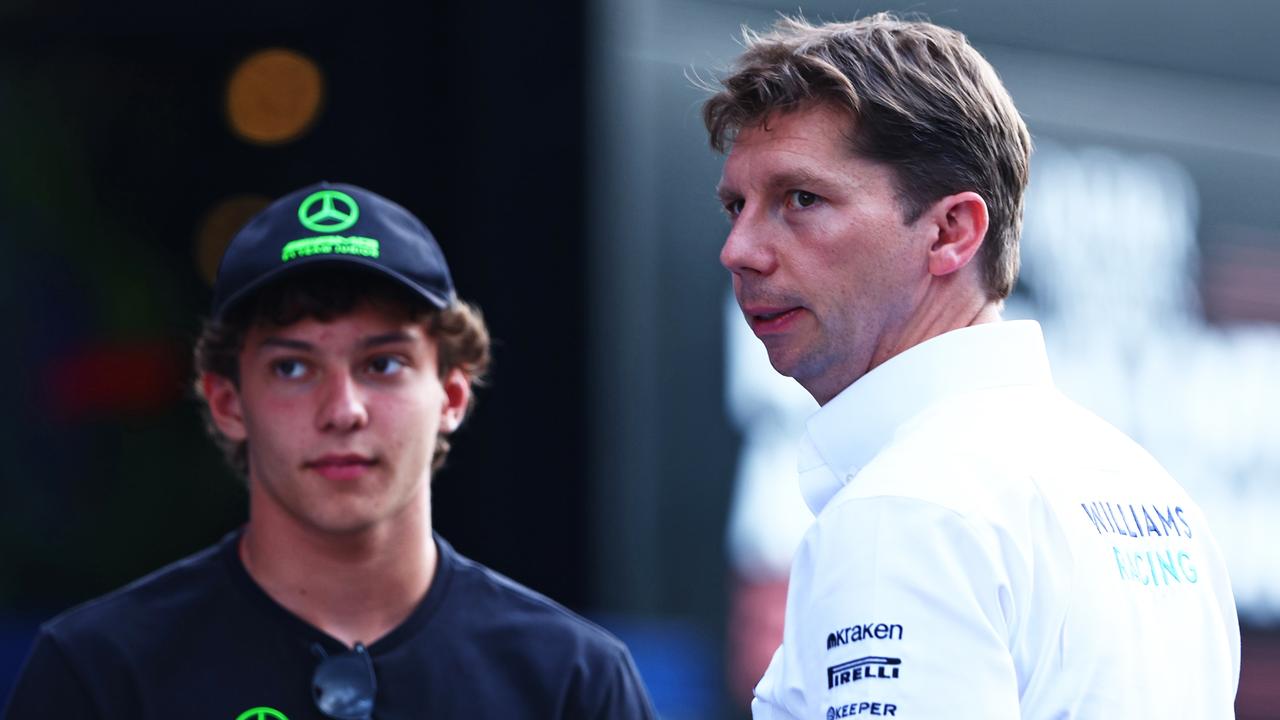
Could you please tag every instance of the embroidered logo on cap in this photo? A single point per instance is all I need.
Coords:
(329, 212)
(329, 245)
(336, 211)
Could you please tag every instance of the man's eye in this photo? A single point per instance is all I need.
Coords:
(801, 198)
(385, 365)
(289, 369)
(733, 208)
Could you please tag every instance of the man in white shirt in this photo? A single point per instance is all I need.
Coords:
(982, 548)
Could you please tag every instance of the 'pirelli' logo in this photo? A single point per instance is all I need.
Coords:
(867, 667)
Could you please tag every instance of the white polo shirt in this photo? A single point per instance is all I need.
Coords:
(985, 548)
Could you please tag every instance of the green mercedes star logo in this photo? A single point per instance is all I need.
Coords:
(261, 713)
(328, 211)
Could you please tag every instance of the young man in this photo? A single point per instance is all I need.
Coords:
(337, 361)
(983, 548)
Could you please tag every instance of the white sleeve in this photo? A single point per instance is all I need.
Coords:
(897, 608)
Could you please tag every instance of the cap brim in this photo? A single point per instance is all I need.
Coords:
(295, 266)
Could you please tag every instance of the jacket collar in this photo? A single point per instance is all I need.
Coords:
(846, 433)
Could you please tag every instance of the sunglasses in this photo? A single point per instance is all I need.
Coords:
(343, 686)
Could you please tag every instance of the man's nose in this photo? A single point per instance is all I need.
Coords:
(343, 407)
(749, 247)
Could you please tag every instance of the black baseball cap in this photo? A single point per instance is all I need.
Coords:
(332, 224)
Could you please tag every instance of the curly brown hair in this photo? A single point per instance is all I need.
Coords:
(462, 339)
(919, 98)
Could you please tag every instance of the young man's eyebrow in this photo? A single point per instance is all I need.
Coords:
(396, 336)
(287, 343)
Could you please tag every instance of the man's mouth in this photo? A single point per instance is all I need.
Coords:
(770, 320)
(348, 466)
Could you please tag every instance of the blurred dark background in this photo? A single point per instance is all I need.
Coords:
(556, 152)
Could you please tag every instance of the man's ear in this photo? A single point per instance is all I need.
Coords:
(457, 396)
(223, 399)
(961, 222)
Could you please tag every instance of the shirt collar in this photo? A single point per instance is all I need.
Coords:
(848, 431)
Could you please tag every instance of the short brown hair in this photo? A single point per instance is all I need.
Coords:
(462, 339)
(920, 99)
